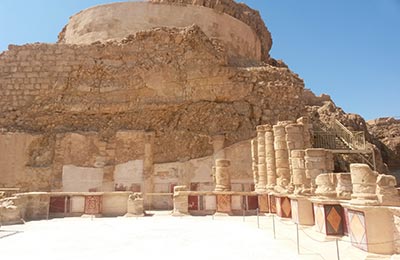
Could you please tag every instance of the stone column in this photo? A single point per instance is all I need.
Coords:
(281, 156)
(315, 165)
(363, 180)
(270, 157)
(307, 131)
(222, 175)
(148, 165)
(294, 141)
(325, 187)
(254, 160)
(218, 142)
(262, 167)
(181, 201)
(298, 167)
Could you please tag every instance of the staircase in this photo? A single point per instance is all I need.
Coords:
(340, 140)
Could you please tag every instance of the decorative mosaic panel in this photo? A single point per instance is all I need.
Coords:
(345, 222)
(252, 202)
(59, 204)
(272, 201)
(224, 203)
(283, 207)
(193, 202)
(329, 219)
(295, 211)
(357, 229)
(93, 204)
(319, 214)
(263, 203)
(334, 220)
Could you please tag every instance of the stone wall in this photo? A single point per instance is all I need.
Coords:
(238, 10)
(118, 20)
(175, 82)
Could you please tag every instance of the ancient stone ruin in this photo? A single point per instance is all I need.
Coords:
(177, 105)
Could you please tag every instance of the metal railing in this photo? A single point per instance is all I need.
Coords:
(354, 140)
(325, 140)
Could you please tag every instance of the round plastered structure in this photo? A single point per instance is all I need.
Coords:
(118, 20)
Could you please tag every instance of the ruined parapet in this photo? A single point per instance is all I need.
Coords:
(254, 160)
(298, 167)
(281, 157)
(270, 157)
(364, 184)
(317, 162)
(325, 186)
(262, 166)
(386, 190)
(181, 202)
(222, 175)
(135, 206)
(344, 187)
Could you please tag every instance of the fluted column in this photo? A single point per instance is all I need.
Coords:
(297, 163)
(254, 160)
(148, 165)
(222, 175)
(270, 157)
(281, 156)
(262, 167)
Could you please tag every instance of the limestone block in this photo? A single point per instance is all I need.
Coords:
(298, 163)
(77, 204)
(9, 213)
(329, 162)
(115, 204)
(283, 172)
(279, 130)
(292, 145)
(135, 205)
(386, 190)
(280, 145)
(364, 184)
(282, 163)
(315, 152)
(181, 201)
(299, 177)
(282, 154)
(344, 187)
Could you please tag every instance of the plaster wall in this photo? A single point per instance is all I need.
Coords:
(81, 179)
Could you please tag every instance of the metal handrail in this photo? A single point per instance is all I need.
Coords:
(355, 140)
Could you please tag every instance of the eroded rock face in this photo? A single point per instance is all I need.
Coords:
(387, 130)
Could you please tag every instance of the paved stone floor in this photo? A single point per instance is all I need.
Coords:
(166, 237)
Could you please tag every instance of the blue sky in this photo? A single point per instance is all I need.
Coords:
(349, 49)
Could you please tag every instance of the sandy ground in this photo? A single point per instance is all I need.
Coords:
(166, 237)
